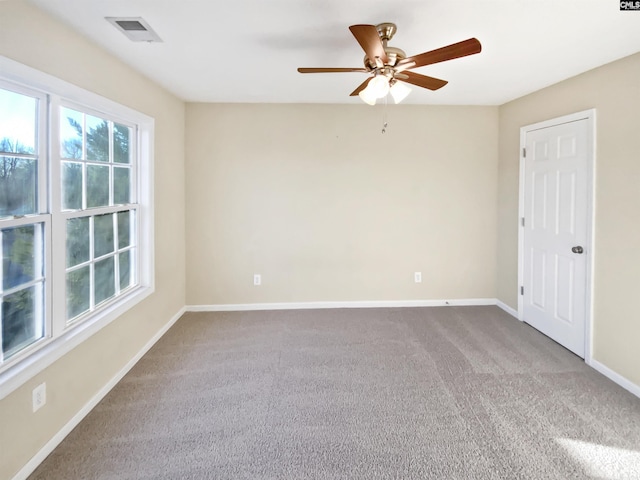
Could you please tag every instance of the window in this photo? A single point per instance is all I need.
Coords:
(23, 222)
(76, 235)
(98, 201)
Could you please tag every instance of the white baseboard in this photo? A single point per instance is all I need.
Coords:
(511, 311)
(39, 457)
(616, 377)
(355, 304)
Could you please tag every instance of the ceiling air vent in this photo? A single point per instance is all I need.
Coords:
(135, 28)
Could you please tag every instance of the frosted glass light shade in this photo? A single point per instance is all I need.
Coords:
(379, 86)
(367, 96)
(399, 92)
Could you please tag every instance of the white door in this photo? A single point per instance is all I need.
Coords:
(555, 232)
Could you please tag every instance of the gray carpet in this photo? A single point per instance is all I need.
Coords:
(408, 393)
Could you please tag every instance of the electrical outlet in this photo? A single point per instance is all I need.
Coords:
(257, 279)
(417, 277)
(39, 396)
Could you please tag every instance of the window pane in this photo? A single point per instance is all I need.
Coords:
(97, 186)
(70, 133)
(121, 185)
(124, 229)
(105, 279)
(78, 292)
(17, 122)
(71, 186)
(120, 143)
(102, 235)
(78, 241)
(97, 139)
(125, 269)
(19, 264)
(21, 319)
(18, 186)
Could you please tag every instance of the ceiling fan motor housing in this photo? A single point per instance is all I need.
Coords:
(394, 54)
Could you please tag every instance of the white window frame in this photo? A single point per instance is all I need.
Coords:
(60, 337)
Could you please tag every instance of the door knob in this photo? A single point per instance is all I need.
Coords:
(577, 249)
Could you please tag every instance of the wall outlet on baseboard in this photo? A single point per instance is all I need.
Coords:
(39, 396)
(257, 279)
(417, 277)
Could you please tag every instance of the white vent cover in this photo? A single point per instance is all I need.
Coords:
(135, 28)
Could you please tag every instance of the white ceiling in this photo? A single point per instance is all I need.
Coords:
(248, 50)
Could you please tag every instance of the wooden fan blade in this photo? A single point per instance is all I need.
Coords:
(331, 70)
(369, 39)
(456, 50)
(361, 87)
(423, 81)
(404, 66)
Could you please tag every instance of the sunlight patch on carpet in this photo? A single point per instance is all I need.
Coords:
(602, 461)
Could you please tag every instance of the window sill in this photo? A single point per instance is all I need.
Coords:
(50, 350)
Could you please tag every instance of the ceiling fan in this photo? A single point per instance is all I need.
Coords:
(389, 66)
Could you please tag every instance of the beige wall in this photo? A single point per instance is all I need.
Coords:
(32, 38)
(614, 91)
(327, 208)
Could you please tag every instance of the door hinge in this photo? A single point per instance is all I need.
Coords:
(521, 290)
(522, 221)
(524, 152)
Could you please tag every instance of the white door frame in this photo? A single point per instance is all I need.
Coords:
(590, 116)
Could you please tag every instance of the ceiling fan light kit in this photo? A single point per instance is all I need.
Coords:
(378, 86)
(389, 66)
